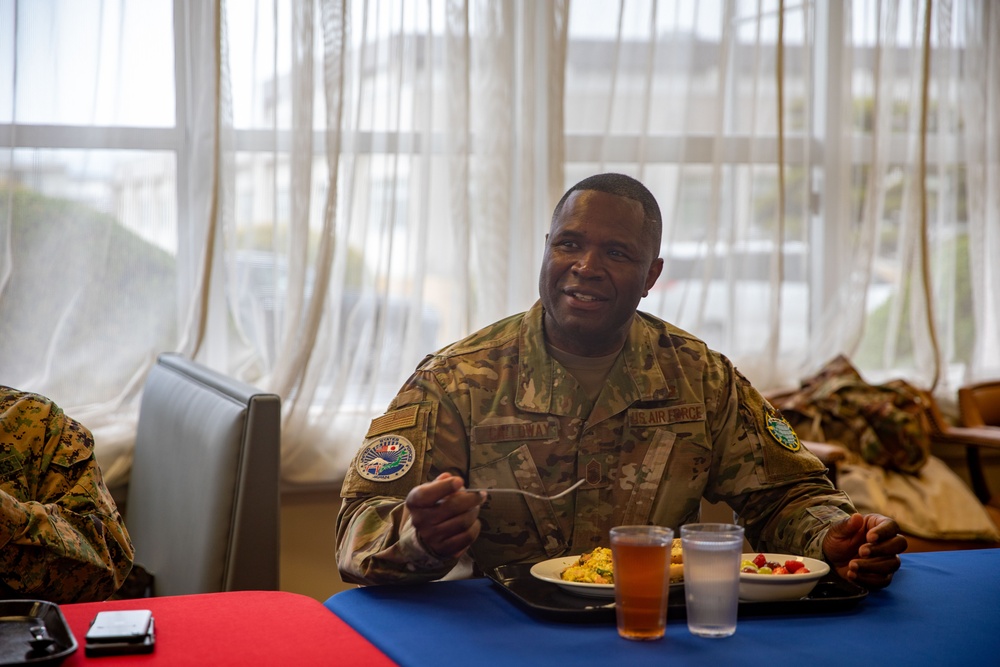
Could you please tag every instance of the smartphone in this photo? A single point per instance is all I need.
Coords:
(120, 633)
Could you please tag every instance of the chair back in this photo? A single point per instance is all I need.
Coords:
(980, 404)
(203, 497)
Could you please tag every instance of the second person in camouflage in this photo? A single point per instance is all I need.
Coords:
(62, 538)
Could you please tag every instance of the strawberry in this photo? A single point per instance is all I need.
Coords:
(794, 566)
(759, 560)
(781, 570)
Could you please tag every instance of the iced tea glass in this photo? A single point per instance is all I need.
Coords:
(641, 559)
(712, 577)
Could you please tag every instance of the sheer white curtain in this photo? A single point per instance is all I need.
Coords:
(88, 207)
(917, 142)
(697, 100)
(827, 172)
(386, 177)
(311, 195)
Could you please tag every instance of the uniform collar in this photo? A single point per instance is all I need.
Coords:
(636, 375)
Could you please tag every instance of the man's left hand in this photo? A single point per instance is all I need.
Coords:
(865, 548)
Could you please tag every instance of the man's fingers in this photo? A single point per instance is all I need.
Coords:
(874, 579)
(886, 547)
(445, 511)
(430, 494)
(874, 572)
(454, 534)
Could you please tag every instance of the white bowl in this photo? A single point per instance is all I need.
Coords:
(774, 587)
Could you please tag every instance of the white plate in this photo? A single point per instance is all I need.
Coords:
(549, 570)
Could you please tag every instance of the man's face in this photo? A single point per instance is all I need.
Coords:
(596, 268)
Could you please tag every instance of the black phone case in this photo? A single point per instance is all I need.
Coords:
(97, 649)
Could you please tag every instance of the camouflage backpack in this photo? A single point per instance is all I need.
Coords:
(887, 424)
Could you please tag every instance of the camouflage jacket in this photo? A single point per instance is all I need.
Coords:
(675, 422)
(61, 537)
(885, 424)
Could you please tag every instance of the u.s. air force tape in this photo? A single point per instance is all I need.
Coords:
(385, 458)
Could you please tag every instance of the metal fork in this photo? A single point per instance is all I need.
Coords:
(529, 493)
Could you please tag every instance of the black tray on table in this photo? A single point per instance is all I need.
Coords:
(18, 618)
(832, 594)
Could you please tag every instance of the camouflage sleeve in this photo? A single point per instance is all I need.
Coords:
(61, 536)
(795, 518)
(780, 492)
(376, 543)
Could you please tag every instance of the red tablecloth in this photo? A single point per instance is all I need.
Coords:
(239, 628)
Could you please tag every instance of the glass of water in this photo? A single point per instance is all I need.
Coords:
(712, 577)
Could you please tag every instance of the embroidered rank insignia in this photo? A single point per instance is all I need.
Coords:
(385, 458)
(782, 431)
(594, 472)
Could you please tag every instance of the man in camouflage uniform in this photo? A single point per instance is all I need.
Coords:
(61, 537)
(584, 386)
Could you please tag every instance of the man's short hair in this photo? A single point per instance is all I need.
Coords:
(621, 185)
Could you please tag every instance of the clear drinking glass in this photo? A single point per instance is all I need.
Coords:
(712, 577)
(641, 559)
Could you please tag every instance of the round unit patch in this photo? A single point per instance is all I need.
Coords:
(783, 433)
(385, 458)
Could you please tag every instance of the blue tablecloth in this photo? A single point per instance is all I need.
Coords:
(942, 609)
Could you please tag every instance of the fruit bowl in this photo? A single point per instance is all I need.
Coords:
(775, 587)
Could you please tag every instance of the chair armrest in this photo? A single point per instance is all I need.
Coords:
(974, 439)
(981, 436)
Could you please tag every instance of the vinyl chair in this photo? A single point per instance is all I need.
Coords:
(979, 406)
(202, 507)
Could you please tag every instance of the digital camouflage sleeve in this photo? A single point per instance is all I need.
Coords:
(674, 423)
(61, 536)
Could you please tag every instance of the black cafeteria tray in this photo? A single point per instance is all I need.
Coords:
(832, 594)
(18, 617)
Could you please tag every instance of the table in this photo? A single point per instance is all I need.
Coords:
(236, 628)
(943, 608)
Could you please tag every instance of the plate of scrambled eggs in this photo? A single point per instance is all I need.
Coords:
(551, 571)
(591, 573)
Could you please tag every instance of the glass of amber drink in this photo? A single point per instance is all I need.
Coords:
(640, 556)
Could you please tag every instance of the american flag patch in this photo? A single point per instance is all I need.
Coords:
(402, 418)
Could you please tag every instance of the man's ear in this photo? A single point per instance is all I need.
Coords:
(655, 269)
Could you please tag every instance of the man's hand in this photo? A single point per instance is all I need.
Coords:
(445, 517)
(865, 549)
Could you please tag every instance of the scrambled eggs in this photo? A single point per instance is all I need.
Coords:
(676, 561)
(593, 567)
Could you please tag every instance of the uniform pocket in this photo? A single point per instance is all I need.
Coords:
(514, 527)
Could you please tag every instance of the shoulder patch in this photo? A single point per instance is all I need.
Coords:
(385, 458)
(783, 433)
